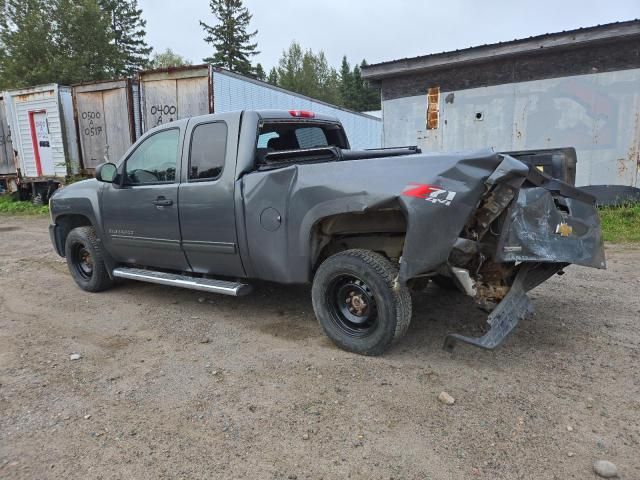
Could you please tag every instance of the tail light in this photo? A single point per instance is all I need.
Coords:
(302, 114)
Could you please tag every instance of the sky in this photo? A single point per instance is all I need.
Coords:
(377, 30)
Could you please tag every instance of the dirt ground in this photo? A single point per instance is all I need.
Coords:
(176, 384)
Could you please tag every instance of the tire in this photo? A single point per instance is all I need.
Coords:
(445, 283)
(358, 303)
(85, 260)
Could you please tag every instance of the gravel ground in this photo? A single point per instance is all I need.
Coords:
(176, 384)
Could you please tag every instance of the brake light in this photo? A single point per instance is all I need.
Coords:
(301, 114)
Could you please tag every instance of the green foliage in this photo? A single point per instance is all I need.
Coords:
(309, 74)
(28, 56)
(232, 44)
(69, 41)
(621, 224)
(273, 76)
(259, 72)
(9, 206)
(84, 42)
(167, 59)
(128, 29)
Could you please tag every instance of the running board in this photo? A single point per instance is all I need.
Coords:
(183, 281)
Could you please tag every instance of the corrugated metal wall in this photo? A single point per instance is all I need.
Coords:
(233, 92)
(7, 166)
(36, 99)
(598, 114)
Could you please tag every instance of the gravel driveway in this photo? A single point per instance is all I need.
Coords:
(177, 384)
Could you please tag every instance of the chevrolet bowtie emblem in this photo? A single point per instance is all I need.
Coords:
(564, 229)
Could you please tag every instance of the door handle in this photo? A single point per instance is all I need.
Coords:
(163, 202)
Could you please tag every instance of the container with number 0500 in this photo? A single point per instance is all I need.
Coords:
(108, 119)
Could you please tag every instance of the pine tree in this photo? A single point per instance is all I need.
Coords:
(28, 55)
(273, 76)
(129, 33)
(371, 97)
(259, 72)
(229, 38)
(346, 84)
(84, 42)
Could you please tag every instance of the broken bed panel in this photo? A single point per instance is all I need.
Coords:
(541, 227)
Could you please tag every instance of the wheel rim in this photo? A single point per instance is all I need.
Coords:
(353, 306)
(83, 261)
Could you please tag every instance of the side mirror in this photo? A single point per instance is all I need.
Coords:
(106, 172)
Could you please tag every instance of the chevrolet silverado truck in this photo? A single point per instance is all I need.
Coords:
(211, 203)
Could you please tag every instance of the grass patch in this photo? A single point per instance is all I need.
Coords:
(621, 224)
(9, 206)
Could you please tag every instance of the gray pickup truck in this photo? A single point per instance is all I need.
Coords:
(211, 202)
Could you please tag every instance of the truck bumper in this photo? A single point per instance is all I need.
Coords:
(56, 239)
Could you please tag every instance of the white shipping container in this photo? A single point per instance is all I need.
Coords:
(43, 131)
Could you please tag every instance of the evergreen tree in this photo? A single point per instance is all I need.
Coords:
(128, 28)
(346, 84)
(273, 76)
(28, 56)
(168, 59)
(84, 42)
(232, 43)
(259, 72)
(371, 96)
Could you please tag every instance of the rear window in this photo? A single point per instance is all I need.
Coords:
(279, 136)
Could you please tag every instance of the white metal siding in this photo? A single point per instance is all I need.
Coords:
(598, 114)
(21, 102)
(231, 93)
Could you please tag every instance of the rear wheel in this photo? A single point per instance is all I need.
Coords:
(358, 302)
(85, 260)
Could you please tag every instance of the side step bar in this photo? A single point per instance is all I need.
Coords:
(183, 281)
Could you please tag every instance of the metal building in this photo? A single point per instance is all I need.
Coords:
(43, 131)
(108, 119)
(172, 94)
(236, 92)
(579, 88)
(7, 165)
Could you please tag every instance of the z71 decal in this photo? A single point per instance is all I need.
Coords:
(430, 193)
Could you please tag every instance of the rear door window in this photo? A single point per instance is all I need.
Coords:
(208, 151)
(311, 137)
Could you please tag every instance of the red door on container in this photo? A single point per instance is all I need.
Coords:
(41, 143)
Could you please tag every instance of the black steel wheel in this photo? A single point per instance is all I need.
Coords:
(354, 308)
(85, 260)
(358, 302)
(82, 261)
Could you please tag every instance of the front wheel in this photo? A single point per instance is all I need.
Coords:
(85, 260)
(358, 302)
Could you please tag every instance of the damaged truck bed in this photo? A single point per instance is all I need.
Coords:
(291, 203)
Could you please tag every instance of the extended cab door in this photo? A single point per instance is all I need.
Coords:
(140, 213)
(207, 208)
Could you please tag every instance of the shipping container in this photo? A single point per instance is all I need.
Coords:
(106, 115)
(7, 165)
(172, 94)
(43, 132)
